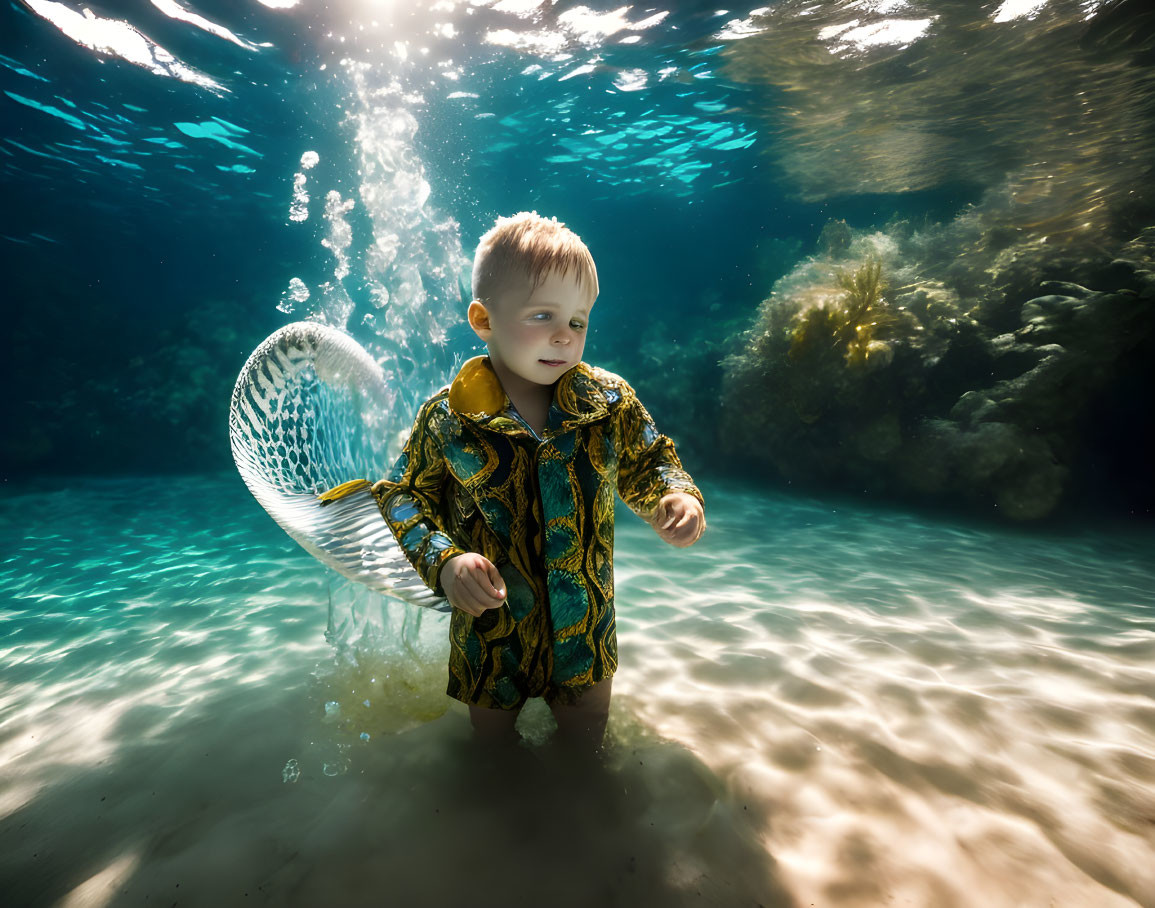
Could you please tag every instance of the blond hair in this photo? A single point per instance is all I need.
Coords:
(529, 246)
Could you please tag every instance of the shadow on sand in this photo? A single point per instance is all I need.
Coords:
(200, 814)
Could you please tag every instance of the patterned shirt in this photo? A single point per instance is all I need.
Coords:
(475, 477)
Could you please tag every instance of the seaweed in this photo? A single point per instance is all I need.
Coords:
(859, 319)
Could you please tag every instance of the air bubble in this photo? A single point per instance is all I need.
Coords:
(291, 772)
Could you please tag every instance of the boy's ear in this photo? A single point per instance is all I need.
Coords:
(478, 317)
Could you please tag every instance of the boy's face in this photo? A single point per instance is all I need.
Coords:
(535, 336)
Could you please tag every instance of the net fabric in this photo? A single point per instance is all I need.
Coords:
(308, 413)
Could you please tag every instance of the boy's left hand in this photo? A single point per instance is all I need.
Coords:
(679, 519)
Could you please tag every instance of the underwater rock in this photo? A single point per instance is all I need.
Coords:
(835, 238)
(916, 390)
(991, 338)
(880, 439)
(993, 462)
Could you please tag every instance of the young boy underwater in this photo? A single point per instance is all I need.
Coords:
(503, 498)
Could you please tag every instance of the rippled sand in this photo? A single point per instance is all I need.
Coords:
(817, 704)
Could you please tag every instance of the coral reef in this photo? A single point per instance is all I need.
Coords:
(911, 386)
(962, 361)
(856, 324)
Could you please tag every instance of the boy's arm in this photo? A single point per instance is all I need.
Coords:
(648, 465)
(410, 501)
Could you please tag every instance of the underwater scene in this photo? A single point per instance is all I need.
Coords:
(883, 271)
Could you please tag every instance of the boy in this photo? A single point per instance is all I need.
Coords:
(503, 499)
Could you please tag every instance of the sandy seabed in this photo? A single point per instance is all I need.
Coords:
(819, 704)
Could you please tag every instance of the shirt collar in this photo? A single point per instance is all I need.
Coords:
(579, 396)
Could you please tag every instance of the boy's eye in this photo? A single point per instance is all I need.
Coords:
(545, 316)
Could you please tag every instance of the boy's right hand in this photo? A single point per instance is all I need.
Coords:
(472, 583)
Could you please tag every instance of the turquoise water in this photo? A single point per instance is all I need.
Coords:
(820, 702)
(823, 702)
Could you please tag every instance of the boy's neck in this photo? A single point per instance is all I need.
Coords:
(530, 399)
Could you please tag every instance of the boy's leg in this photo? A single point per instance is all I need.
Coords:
(583, 723)
(494, 726)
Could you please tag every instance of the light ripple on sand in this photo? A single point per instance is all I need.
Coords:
(952, 679)
(817, 703)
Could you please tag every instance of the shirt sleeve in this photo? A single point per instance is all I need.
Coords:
(648, 465)
(411, 500)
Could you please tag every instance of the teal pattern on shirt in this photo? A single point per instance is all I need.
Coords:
(476, 478)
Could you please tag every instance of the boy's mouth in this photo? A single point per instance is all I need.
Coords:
(552, 362)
